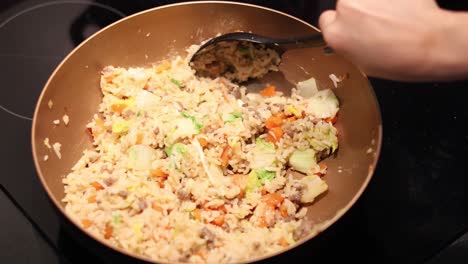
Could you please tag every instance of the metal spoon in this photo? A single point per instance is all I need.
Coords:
(224, 65)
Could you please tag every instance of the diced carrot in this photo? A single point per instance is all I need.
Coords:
(156, 207)
(161, 184)
(108, 231)
(274, 134)
(292, 118)
(99, 121)
(92, 199)
(118, 108)
(159, 173)
(139, 138)
(283, 211)
(196, 214)
(331, 119)
(272, 199)
(219, 220)
(283, 242)
(273, 121)
(86, 222)
(266, 212)
(222, 208)
(282, 115)
(97, 186)
(264, 191)
(203, 142)
(227, 152)
(201, 255)
(268, 91)
(303, 114)
(323, 167)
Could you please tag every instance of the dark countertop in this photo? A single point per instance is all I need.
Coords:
(413, 211)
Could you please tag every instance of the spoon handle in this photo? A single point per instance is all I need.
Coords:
(308, 41)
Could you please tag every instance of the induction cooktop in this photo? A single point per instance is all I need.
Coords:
(414, 210)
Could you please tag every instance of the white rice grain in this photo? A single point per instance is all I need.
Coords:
(57, 146)
(66, 119)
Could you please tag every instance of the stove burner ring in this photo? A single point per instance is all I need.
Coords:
(42, 5)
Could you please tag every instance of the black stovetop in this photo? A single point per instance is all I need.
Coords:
(414, 210)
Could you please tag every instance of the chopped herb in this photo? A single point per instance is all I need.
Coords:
(243, 50)
(116, 219)
(187, 115)
(138, 113)
(178, 83)
(264, 175)
(177, 148)
(231, 117)
(198, 127)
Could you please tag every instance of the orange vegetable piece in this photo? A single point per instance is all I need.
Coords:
(219, 221)
(263, 191)
(197, 214)
(268, 91)
(108, 231)
(283, 242)
(203, 142)
(118, 108)
(284, 211)
(272, 199)
(331, 119)
(97, 186)
(323, 167)
(156, 207)
(273, 121)
(292, 118)
(201, 255)
(274, 134)
(227, 152)
(139, 138)
(86, 222)
(99, 121)
(159, 173)
(92, 199)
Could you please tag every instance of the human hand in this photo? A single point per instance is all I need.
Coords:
(397, 39)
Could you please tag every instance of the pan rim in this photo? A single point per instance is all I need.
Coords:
(322, 226)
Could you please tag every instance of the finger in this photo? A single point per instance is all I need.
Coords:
(326, 19)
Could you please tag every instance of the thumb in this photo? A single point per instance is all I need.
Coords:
(326, 19)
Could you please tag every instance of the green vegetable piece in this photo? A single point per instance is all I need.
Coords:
(264, 154)
(244, 50)
(120, 127)
(231, 117)
(178, 83)
(138, 113)
(116, 219)
(198, 126)
(303, 160)
(264, 175)
(177, 148)
(252, 181)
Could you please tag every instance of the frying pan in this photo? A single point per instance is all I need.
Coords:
(162, 32)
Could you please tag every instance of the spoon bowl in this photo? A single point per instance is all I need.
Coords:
(209, 62)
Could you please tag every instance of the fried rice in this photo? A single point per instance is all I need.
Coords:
(191, 169)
